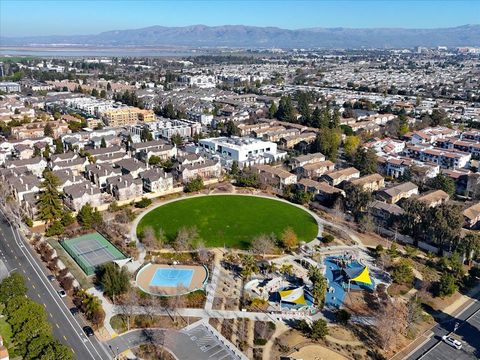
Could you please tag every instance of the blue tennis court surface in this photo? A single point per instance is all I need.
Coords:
(172, 277)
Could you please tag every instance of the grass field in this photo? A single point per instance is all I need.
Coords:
(231, 220)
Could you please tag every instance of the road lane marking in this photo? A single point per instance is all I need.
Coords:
(34, 264)
(57, 326)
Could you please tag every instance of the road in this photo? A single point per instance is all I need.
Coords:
(468, 332)
(19, 257)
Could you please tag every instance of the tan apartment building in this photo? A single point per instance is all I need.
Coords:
(127, 116)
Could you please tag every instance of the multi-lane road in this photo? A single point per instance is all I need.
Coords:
(19, 257)
(467, 330)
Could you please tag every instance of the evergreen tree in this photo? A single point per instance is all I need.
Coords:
(48, 130)
(103, 143)
(49, 204)
(272, 110)
(366, 161)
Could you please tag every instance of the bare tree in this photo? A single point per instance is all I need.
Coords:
(263, 244)
(391, 322)
(185, 238)
(148, 238)
(202, 252)
(127, 305)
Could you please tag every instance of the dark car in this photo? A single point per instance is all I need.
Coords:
(88, 330)
(51, 278)
(74, 310)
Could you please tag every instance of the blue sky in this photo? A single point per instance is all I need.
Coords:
(65, 17)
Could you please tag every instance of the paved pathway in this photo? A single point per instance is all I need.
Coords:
(212, 287)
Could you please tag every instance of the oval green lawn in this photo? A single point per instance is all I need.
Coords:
(230, 220)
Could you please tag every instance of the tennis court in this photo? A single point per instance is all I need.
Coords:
(90, 251)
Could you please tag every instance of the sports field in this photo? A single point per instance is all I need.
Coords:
(230, 220)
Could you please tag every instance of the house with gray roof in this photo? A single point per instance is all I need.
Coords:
(156, 180)
(75, 196)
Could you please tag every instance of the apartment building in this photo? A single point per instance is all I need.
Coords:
(398, 192)
(127, 116)
(372, 182)
(335, 178)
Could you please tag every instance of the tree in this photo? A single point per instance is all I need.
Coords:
(88, 218)
(414, 316)
(103, 143)
(249, 266)
(67, 218)
(350, 145)
(48, 130)
(47, 152)
(327, 142)
(11, 286)
(185, 238)
(318, 330)
(56, 116)
(342, 316)
(49, 204)
(146, 134)
(442, 182)
(115, 280)
(194, 185)
(286, 111)
(402, 272)
(231, 129)
(103, 94)
(356, 200)
(235, 170)
(56, 228)
(366, 161)
(177, 139)
(470, 246)
(439, 117)
(319, 285)
(109, 87)
(390, 323)
(446, 286)
(272, 110)
(263, 244)
(289, 239)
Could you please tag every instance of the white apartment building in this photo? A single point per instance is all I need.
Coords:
(166, 128)
(246, 151)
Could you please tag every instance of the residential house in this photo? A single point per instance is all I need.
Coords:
(275, 177)
(160, 148)
(98, 173)
(472, 216)
(25, 184)
(67, 177)
(372, 182)
(156, 180)
(35, 165)
(434, 198)
(384, 213)
(209, 169)
(321, 191)
(131, 166)
(315, 170)
(288, 142)
(75, 196)
(337, 177)
(302, 160)
(398, 192)
(125, 187)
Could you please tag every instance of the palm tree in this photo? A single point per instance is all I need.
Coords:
(286, 269)
(249, 266)
(272, 267)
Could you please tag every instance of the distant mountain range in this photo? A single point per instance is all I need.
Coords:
(262, 37)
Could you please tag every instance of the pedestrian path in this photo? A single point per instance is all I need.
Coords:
(212, 287)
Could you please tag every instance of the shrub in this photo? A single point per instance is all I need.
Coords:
(145, 202)
(327, 238)
(194, 185)
(260, 342)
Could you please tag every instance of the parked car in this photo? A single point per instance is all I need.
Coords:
(51, 278)
(74, 311)
(88, 331)
(62, 293)
(452, 342)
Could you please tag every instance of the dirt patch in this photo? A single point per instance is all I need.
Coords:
(317, 352)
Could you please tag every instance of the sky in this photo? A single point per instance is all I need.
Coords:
(67, 17)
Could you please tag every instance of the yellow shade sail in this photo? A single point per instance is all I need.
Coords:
(363, 277)
(294, 296)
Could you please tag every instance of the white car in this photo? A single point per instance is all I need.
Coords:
(62, 293)
(452, 342)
